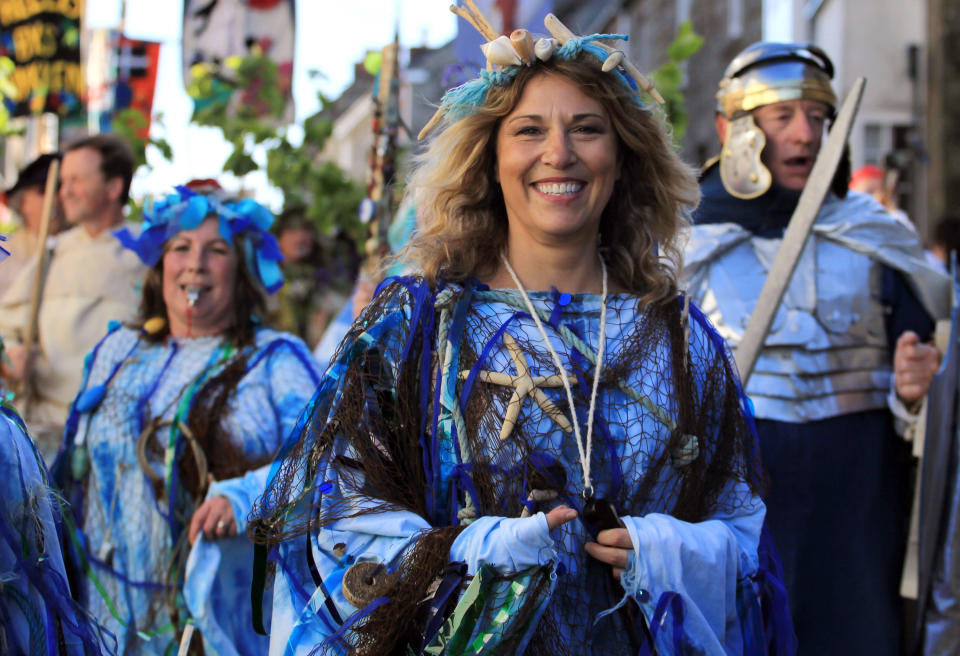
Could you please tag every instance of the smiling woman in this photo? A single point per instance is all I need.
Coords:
(565, 470)
(199, 279)
(557, 163)
(198, 392)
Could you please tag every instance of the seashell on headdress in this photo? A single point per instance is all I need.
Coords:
(506, 54)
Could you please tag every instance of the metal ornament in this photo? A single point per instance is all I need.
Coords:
(795, 237)
(743, 173)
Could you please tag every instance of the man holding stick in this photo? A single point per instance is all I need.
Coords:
(25, 199)
(858, 307)
(90, 280)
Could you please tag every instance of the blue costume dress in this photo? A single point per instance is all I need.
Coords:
(838, 500)
(130, 501)
(410, 513)
(37, 613)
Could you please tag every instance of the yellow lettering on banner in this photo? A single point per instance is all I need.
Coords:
(14, 11)
(54, 76)
(34, 40)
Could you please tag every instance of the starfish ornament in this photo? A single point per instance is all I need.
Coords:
(524, 385)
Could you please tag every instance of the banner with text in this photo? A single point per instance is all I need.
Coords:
(42, 38)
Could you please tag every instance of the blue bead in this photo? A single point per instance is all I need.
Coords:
(90, 398)
(643, 596)
(565, 299)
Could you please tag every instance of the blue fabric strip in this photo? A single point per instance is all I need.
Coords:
(145, 399)
(447, 446)
(484, 354)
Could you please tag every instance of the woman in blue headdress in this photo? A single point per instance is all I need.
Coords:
(198, 392)
(536, 445)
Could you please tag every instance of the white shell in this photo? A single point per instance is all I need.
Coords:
(500, 52)
(613, 60)
(544, 48)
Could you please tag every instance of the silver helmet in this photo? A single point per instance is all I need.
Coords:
(763, 74)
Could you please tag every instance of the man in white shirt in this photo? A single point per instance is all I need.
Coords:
(91, 280)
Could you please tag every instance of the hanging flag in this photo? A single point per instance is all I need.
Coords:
(216, 33)
(136, 78)
(43, 41)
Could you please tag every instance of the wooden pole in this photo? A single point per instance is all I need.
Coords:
(36, 291)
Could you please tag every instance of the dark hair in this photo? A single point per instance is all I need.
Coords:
(249, 301)
(116, 159)
(946, 233)
(293, 218)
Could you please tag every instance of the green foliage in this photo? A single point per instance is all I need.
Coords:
(247, 104)
(130, 124)
(669, 78)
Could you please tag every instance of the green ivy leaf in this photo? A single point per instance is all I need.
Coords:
(686, 44)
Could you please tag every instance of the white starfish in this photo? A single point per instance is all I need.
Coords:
(523, 385)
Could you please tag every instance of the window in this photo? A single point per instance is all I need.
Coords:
(734, 19)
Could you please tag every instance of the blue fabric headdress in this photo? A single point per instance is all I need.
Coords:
(506, 55)
(186, 210)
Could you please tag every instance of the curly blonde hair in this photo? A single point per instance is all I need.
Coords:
(460, 206)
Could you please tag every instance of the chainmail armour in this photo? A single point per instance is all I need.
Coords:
(407, 420)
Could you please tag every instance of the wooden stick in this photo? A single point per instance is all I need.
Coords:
(36, 291)
(432, 123)
(488, 30)
(563, 34)
(560, 32)
(488, 34)
(185, 639)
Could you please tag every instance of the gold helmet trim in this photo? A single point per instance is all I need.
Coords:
(746, 94)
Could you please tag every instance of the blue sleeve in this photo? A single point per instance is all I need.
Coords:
(293, 376)
(702, 563)
(242, 492)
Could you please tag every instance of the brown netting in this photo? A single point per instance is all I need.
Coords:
(366, 433)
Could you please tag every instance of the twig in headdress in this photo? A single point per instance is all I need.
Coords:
(563, 34)
(487, 27)
(479, 23)
(432, 123)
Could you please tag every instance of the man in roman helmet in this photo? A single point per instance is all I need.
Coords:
(845, 364)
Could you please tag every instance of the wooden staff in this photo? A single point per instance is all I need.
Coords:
(185, 639)
(36, 291)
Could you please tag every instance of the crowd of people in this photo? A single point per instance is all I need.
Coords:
(535, 441)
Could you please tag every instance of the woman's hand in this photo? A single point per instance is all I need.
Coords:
(215, 518)
(612, 547)
(560, 516)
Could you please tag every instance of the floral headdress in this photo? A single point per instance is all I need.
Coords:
(186, 210)
(506, 54)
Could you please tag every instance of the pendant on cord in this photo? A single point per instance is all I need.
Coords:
(600, 515)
